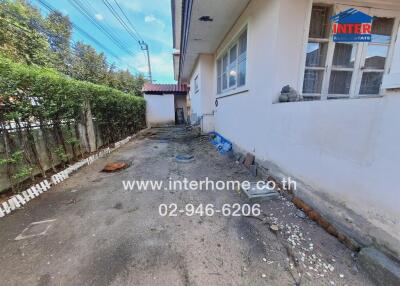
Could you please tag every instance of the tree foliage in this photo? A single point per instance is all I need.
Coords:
(28, 37)
(39, 97)
(29, 92)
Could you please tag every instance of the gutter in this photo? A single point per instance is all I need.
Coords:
(173, 22)
(186, 16)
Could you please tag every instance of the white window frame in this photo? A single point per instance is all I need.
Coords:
(196, 84)
(360, 56)
(226, 52)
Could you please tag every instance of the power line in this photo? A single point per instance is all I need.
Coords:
(81, 9)
(80, 30)
(120, 20)
(86, 34)
(126, 17)
(144, 46)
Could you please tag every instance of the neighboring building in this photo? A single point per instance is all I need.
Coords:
(342, 139)
(166, 104)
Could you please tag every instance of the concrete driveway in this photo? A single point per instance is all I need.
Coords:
(89, 231)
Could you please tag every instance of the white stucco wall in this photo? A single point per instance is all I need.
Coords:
(203, 99)
(194, 95)
(180, 102)
(346, 149)
(160, 109)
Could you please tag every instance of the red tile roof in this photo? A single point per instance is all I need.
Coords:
(151, 88)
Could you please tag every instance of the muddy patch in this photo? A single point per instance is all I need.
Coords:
(118, 206)
(106, 264)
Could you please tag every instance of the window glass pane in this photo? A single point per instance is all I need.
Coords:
(371, 82)
(344, 55)
(224, 81)
(219, 67)
(224, 72)
(316, 54)
(219, 84)
(242, 73)
(225, 63)
(243, 44)
(232, 75)
(196, 83)
(376, 56)
(313, 81)
(242, 59)
(232, 66)
(319, 25)
(340, 82)
(382, 29)
(233, 54)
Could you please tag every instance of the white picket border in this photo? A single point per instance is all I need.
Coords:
(17, 201)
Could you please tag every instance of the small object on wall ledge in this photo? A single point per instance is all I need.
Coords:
(288, 94)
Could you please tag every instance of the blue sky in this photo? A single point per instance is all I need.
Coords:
(151, 18)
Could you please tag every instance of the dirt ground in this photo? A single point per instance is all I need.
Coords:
(92, 232)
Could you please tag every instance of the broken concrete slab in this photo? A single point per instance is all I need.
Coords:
(380, 268)
(249, 160)
(256, 191)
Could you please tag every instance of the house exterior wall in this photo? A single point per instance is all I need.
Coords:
(195, 98)
(203, 99)
(180, 102)
(160, 109)
(346, 150)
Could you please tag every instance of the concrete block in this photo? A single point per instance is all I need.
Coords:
(43, 186)
(15, 201)
(20, 199)
(39, 188)
(26, 196)
(259, 192)
(47, 184)
(32, 195)
(249, 160)
(56, 179)
(62, 175)
(2, 213)
(35, 191)
(253, 170)
(6, 207)
(380, 268)
(11, 204)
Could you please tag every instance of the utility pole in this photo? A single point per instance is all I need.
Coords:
(145, 47)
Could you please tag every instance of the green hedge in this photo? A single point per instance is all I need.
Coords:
(29, 92)
(34, 97)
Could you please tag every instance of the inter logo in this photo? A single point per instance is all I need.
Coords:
(351, 25)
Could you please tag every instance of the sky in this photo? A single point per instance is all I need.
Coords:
(151, 18)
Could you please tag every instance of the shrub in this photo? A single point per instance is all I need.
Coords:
(35, 96)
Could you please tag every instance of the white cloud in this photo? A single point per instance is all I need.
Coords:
(134, 6)
(161, 65)
(149, 18)
(153, 19)
(99, 17)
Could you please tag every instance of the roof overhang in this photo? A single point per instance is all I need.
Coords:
(152, 88)
(199, 35)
